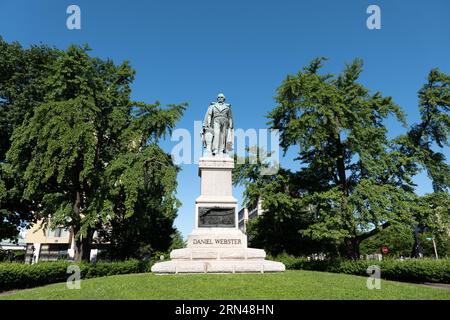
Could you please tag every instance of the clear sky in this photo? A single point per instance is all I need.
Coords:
(188, 51)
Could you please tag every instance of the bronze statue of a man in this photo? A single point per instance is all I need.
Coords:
(218, 128)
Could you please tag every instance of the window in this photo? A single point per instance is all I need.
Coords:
(58, 232)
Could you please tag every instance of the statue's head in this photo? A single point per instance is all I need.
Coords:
(221, 97)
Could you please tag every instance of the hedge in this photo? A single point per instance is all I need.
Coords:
(410, 270)
(19, 276)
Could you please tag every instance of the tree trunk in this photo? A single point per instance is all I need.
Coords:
(352, 248)
(78, 250)
(87, 245)
(417, 250)
(83, 248)
(82, 244)
(337, 251)
(340, 159)
(351, 244)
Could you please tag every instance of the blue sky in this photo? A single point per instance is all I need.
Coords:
(188, 51)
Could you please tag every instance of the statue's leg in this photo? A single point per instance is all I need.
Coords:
(208, 142)
(216, 137)
(223, 137)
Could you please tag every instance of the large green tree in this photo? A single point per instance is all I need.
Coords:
(88, 155)
(350, 183)
(433, 130)
(398, 239)
(285, 213)
(22, 72)
(141, 205)
(432, 215)
(424, 142)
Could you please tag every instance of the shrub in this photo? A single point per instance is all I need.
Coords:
(19, 275)
(411, 270)
(12, 255)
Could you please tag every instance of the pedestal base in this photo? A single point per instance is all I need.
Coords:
(217, 266)
(216, 245)
(217, 250)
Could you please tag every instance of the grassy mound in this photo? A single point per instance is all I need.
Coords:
(288, 285)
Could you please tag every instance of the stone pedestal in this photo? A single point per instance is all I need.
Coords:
(216, 245)
(216, 206)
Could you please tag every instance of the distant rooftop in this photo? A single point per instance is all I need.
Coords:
(21, 241)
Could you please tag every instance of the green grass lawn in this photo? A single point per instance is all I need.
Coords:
(287, 285)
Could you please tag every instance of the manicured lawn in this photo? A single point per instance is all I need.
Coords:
(287, 285)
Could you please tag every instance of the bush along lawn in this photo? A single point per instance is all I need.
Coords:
(411, 270)
(19, 275)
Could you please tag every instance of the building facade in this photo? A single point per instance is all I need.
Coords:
(13, 250)
(45, 244)
(246, 214)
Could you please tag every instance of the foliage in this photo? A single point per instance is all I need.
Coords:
(432, 213)
(22, 73)
(148, 225)
(398, 239)
(12, 255)
(279, 233)
(418, 147)
(442, 245)
(352, 181)
(88, 155)
(285, 213)
(177, 241)
(19, 275)
(411, 270)
(431, 132)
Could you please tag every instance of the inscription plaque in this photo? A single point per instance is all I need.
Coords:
(216, 217)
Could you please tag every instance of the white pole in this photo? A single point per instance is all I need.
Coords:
(435, 250)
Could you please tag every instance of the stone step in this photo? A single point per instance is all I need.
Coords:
(217, 266)
(217, 253)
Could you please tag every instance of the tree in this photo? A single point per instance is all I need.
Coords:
(141, 203)
(434, 107)
(432, 213)
(21, 77)
(177, 241)
(397, 238)
(285, 213)
(355, 182)
(85, 133)
(432, 132)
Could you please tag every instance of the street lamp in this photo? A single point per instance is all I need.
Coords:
(32, 254)
(434, 245)
(438, 223)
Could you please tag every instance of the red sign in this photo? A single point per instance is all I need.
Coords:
(384, 249)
